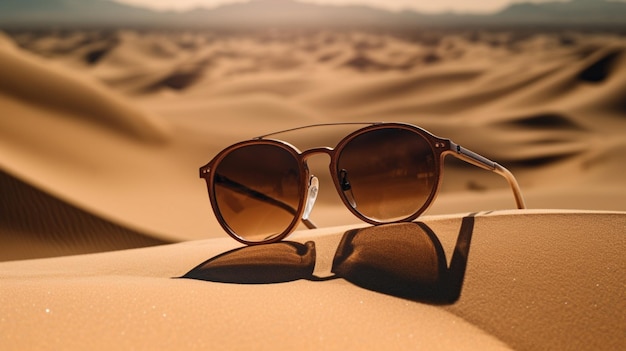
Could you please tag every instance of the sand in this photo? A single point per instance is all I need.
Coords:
(102, 209)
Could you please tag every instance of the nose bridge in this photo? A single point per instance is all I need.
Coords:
(316, 151)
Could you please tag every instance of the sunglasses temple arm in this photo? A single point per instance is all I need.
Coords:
(308, 223)
(485, 163)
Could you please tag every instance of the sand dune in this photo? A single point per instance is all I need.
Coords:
(75, 139)
(96, 104)
(35, 225)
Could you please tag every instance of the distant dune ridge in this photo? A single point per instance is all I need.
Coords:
(290, 13)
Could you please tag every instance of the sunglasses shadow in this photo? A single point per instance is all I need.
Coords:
(403, 259)
(260, 264)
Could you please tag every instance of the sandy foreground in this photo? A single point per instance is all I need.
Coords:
(102, 210)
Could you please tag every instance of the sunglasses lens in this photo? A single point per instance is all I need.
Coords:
(257, 191)
(387, 174)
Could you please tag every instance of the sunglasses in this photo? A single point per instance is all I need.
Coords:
(261, 189)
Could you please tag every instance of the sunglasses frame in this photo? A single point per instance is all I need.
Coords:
(440, 147)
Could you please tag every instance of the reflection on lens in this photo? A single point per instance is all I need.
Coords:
(257, 191)
(387, 174)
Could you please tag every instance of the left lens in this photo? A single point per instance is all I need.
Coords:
(257, 191)
(387, 174)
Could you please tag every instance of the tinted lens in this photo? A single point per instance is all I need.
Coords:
(257, 189)
(387, 174)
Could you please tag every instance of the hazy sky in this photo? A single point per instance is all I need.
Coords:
(419, 5)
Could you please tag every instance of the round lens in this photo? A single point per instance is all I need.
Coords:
(387, 174)
(257, 191)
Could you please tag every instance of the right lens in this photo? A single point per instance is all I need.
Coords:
(258, 191)
(387, 174)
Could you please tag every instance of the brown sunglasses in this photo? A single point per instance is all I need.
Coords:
(261, 189)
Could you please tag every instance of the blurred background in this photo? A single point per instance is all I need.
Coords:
(108, 108)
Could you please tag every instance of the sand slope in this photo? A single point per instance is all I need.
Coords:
(35, 224)
(534, 280)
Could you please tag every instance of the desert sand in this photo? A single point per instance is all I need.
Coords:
(102, 211)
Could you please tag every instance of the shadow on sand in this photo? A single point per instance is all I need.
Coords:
(260, 264)
(402, 259)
